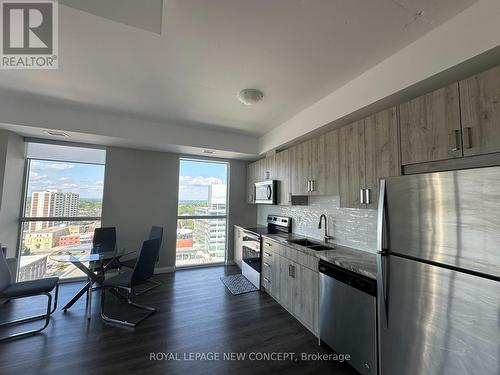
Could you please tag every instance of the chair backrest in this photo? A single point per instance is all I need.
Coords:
(104, 240)
(156, 233)
(5, 276)
(145, 265)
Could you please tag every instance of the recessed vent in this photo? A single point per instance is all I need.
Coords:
(55, 133)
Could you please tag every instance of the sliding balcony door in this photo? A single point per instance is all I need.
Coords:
(202, 213)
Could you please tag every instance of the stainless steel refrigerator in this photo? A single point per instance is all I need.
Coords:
(439, 273)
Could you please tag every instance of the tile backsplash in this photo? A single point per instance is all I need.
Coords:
(351, 227)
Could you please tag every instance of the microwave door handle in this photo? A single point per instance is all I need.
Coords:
(269, 192)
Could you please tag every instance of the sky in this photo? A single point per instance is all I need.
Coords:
(84, 179)
(195, 177)
(87, 179)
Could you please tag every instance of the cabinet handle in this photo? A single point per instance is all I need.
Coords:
(308, 185)
(289, 197)
(468, 137)
(267, 254)
(267, 280)
(362, 196)
(313, 185)
(291, 271)
(456, 133)
(269, 244)
(368, 196)
(267, 265)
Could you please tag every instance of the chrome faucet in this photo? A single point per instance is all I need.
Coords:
(326, 237)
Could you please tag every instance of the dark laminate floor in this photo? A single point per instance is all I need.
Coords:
(196, 314)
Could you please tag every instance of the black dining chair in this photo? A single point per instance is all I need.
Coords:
(156, 232)
(104, 241)
(129, 280)
(11, 290)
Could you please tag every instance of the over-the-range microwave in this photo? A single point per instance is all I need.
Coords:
(266, 192)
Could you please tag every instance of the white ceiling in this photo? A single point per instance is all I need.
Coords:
(295, 51)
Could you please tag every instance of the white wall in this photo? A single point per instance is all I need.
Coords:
(12, 163)
(240, 213)
(141, 190)
(30, 115)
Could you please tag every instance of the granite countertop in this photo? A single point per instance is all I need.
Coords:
(358, 261)
(250, 226)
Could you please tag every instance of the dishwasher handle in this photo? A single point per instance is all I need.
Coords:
(353, 279)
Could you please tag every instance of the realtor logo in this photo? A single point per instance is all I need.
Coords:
(29, 37)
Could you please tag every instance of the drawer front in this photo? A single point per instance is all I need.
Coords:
(302, 258)
(270, 246)
(266, 283)
(307, 260)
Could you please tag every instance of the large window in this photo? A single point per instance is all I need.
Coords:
(202, 213)
(62, 207)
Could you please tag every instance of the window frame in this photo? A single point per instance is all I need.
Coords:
(206, 217)
(27, 219)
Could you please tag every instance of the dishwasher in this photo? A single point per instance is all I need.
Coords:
(348, 315)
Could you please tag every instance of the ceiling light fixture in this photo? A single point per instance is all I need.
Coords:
(250, 96)
(208, 152)
(55, 133)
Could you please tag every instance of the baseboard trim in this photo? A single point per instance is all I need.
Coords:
(160, 270)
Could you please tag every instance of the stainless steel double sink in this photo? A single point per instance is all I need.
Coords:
(310, 244)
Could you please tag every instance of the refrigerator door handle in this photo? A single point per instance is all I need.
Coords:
(382, 285)
(382, 256)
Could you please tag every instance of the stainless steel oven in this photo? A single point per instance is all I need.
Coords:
(250, 256)
(266, 192)
(251, 245)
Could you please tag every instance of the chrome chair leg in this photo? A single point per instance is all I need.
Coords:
(47, 315)
(107, 318)
(155, 283)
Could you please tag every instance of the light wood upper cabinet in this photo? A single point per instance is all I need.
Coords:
(381, 152)
(257, 172)
(300, 165)
(282, 174)
(251, 182)
(369, 150)
(352, 164)
(430, 127)
(314, 166)
(480, 108)
(325, 164)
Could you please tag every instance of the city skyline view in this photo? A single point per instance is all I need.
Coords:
(202, 193)
(87, 180)
(196, 176)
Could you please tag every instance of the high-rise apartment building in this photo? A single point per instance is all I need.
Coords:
(52, 203)
(210, 234)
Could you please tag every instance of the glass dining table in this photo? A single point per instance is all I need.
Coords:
(93, 266)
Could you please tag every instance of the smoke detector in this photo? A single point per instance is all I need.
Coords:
(250, 96)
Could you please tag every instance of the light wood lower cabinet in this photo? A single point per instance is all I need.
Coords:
(238, 242)
(292, 279)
